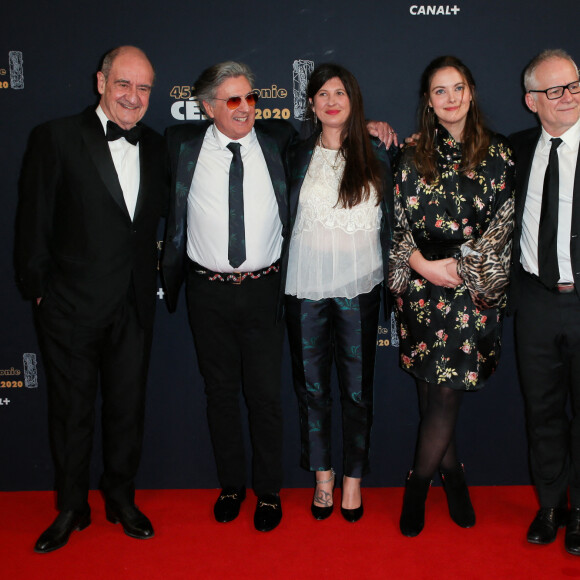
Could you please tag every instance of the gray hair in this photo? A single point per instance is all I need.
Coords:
(549, 54)
(109, 58)
(211, 78)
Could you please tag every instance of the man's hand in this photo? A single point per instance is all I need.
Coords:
(383, 131)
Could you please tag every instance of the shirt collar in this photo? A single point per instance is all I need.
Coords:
(224, 140)
(571, 137)
(103, 118)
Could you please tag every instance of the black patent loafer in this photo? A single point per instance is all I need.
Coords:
(227, 505)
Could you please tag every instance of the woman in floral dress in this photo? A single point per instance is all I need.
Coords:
(449, 269)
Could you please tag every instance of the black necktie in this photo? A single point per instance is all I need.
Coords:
(115, 132)
(548, 235)
(237, 234)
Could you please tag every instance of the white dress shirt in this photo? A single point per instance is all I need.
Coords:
(126, 160)
(208, 206)
(567, 157)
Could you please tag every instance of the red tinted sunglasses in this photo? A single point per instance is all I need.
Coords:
(234, 102)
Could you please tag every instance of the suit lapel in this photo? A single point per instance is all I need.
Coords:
(525, 157)
(575, 218)
(275, 164)
(94, 138)
(186, 162)
(146, 162)
(302, 156)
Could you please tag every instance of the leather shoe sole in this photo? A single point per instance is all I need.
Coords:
(57, 535)
(135, 523)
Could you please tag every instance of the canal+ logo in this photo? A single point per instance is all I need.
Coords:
(434, 10)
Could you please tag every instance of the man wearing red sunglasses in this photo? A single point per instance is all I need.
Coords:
(226, 231)
(225, 235)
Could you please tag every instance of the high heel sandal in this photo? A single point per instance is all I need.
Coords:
(321, 513)
(352, 515)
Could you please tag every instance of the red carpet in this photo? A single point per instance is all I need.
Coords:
(190, 544)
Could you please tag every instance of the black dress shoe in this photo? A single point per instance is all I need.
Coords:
(268, 512)
(135, 523)
(323, 512)
(572, 541)
(544, 528)
(227, 506)
(352, 515)
(57, 535)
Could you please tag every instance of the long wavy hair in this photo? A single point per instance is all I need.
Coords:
(475, 137)
(362, 171)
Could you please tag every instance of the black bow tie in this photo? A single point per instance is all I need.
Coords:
(115, 132)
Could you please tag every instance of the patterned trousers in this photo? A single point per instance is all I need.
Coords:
(346, 330)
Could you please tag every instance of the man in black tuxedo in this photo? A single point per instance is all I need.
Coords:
(227, 227)
(92, 191)
(546, 275)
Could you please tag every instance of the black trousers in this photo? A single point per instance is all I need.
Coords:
(547, 327)
(239, 346)
(78, 359)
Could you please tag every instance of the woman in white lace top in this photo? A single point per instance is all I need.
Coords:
(341, 208)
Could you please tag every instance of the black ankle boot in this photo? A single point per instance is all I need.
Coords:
(413, 514)
(458, 500)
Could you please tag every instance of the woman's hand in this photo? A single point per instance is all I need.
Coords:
(438, 272)
(412, 140)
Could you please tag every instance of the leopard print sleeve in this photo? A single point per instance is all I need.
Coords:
(403, 246)
(485, 263)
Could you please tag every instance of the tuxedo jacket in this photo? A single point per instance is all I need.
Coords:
(184, 144)
(300, 157)
(76, 245)
(524, 145)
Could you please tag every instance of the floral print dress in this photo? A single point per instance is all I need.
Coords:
(445, 338)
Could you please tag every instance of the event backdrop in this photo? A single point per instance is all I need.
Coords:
(49, 52)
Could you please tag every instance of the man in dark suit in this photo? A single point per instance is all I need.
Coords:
(92, 191)
(227, 228)
(546, 275)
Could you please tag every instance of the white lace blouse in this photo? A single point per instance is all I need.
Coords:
(334, 251)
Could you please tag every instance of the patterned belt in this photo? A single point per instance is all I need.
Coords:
(565, 288)
(235, 278)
